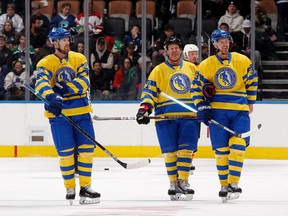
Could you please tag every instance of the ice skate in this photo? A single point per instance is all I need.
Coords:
(88, 196)
(180, 190)
(233, 191)
(70, 195)
(223, 193)
(172, 191)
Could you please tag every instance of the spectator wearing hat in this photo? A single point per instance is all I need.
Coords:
(11, 15)
(5, 63)
(11, 34)
(64, 19)
(45, 22)
(134, 37)
(243, 43)
(131, 53)
(100, 52)
(232, 17)
(117, 52)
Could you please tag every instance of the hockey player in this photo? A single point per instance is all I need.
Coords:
(191, 53)
(235, 82)
(177, 138)
(63, 80)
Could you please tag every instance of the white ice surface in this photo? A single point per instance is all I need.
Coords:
(34, 186)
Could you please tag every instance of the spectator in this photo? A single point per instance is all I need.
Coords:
(243, 42)
(13, 83)
(5, 63)
(11, 15)
(11, 34)
(64, 19)
(100, 82)
(232, 17)
(44, 51)
(282, 8)
(80, 47)
(168, 31)
(130, 53)
(125, 82)
(95, 25)
(134, 37)
(117, 52)
(37, 33)
(224, 26)
(18, 53)
(263, 23)
(106, 57)
(36, 12)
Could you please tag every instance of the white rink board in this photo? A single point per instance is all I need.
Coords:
(19, 119)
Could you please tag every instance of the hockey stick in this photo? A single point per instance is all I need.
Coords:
(241, 135)
(135, 165)
(97, 118)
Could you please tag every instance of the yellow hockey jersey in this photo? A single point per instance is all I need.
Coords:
(174, 81)
(235, 82)
(74, 69)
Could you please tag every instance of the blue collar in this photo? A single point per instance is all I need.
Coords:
(221, 61)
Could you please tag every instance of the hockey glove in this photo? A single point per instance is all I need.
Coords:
(143, 113)
(61, 88)
(204, 112)
(208, 90)
(55, 104)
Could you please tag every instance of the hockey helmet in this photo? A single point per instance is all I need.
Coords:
(58, 33)
(219, 34)
(172, 40)
(189, 48)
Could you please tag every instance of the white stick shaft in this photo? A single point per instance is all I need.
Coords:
(179, 102)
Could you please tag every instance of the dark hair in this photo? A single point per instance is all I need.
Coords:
(66, 4)
(225, 24)
(97, 60)
(169, 27)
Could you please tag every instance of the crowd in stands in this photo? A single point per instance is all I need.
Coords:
(116, 64)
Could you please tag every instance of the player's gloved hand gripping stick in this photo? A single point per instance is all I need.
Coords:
(135, 165)
(241, 135)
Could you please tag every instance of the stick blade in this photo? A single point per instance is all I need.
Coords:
(136, 165)
(247, 134)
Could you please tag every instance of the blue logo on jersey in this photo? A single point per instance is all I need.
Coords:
(225, 78)
(64, 73)
(180, 83)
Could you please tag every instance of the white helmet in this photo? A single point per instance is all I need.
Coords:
(189, 48)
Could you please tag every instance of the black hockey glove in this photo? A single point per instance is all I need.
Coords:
(204, 112)
(208, 90)
(55, 103)
(143, 113)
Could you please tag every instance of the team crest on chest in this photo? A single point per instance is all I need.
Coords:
(180, 83)
(225, 78)
(64, 73)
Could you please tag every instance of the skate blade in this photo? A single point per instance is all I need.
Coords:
(88, 201)
(70, 202)
(181, 197)
(232, 196)
(224, 199)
